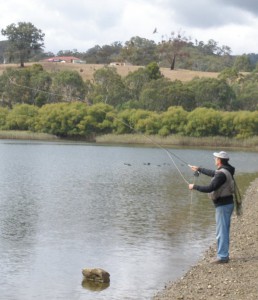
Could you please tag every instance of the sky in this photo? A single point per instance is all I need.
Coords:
(83, 24)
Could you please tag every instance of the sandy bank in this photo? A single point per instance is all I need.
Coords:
(236, 280)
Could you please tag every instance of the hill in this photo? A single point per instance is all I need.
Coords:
(87, 70)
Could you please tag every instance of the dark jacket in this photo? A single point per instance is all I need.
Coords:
(218, 180)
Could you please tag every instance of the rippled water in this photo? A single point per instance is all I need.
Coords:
(127, 210)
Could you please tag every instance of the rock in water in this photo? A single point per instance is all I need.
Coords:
(97, 275)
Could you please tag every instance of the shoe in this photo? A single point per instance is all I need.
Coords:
(220, 261)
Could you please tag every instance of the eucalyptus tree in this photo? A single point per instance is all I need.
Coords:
(154, 95)
(108, 87)
(172, 48)
(15, 87)
(243, 63)
(40, 83)
(135, 81)
(67, 86)
(103, 54)
(212, 93)
(139, 51)
(160, 94)
(24, 40)
(27, 85)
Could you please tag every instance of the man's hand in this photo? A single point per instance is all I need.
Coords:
(194, 168)
(191, 186)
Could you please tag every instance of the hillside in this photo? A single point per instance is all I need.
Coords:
(87, 70)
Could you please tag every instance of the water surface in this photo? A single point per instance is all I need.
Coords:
(127, 210)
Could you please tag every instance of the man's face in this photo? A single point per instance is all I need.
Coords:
(217, 160)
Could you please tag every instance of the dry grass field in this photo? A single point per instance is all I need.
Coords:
(87, 70)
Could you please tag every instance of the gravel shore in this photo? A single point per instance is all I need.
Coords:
(236, 280)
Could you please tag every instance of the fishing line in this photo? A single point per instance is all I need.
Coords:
(169, 153)
(159, 146)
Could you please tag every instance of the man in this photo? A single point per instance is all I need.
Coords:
(221, 189)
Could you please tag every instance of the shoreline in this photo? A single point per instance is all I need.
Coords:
(236, 280)
(140, 140)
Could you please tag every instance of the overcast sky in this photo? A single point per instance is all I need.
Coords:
(82, 24)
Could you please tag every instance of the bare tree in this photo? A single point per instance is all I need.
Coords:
(173, 47)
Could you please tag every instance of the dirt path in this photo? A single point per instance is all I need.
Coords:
(237, 280)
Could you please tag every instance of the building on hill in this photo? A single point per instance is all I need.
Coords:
(115, 63)
(4, 54)
(65, 59)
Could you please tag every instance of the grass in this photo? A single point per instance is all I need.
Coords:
(87, 70)
(175, 140)
(25, 135)
(143, 140)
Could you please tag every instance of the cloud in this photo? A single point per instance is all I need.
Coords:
(203, 13)
(247, 5)
(81, 25)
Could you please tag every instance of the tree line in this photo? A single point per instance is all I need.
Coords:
(26, 42)
(61, 103)
(145, 89)
(79, 120)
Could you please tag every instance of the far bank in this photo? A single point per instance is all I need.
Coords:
(140, 140)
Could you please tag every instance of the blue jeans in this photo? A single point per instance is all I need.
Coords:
(223, 218)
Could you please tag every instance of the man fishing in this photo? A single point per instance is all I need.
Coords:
(221, 190)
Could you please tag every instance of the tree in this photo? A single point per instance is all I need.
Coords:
(61, 119)
(173, 121)
(160, 94)
(226, 125)
(104, 54)
(68, 86)
(13, 87)
(27, 85)
(99, 119)
(3, 115)
(139, 51)
(243, 63)
(153, 71)
(135, 81)
(108, 87)
(154, 95)
(25, 39)
(231, 75)
(203, 122)
(245, 124)
(212, 93)
(22, 117)
(173, 48)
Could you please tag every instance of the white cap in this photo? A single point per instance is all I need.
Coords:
(221, 154)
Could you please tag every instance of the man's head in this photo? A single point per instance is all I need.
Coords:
(221, 158)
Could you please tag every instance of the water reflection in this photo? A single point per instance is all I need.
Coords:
(67, 206)
(94, 286)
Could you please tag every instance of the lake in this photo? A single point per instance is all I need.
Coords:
(127, 210)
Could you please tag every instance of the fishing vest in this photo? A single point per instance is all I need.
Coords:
(227, 188)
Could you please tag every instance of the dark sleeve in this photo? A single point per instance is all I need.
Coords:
(208, 172)
(217, 182)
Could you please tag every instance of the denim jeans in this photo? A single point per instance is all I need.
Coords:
(223, 218)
